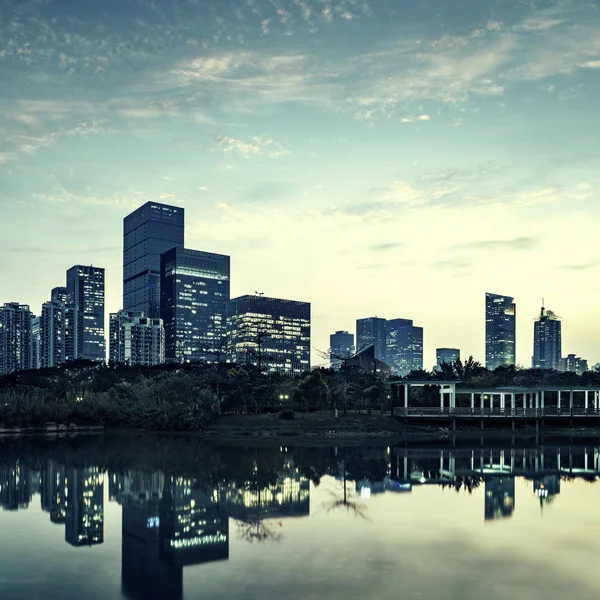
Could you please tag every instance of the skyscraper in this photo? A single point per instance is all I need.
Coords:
(404, 345)
(194, 296)
(148, 232)
(52, 334)
(15, 338)
(136, 339)
(500, 330)
(85, 287)
(547, 341)
(372, 332)
(61, 294)
(270, 333)
(35, 344)
(446, 355)
(341, 345)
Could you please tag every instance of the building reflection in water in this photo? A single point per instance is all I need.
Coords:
(499, 498)
(53, 491)
(84, 518)
(546, 488)
(15, 486)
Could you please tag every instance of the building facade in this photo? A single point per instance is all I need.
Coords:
(446, 355)
(85, 288)
(148, 232)
(372, 331)
(136, 339)
(35, 344)
(404, 345)
(547, 341)
(341, 345)
(574, 364)
(500, 331)
(52, 334)
(194, 296)
(15, 338)
(61, 294)
(270, 333)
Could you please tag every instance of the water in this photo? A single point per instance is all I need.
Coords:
(166, 517)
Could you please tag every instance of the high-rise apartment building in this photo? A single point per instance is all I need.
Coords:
(270, 333)
(136, 339)
(148, 232)
(372, 332)
(446, 355)
(341, 345)
(35, 344)
(500, 330)
(85, 288)
(547, 341)
(194, 296)
(61, 295)
(15, 338)
(404, 346)
(574, 364)
(52, 334)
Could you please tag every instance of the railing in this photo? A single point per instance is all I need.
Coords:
(534, 413)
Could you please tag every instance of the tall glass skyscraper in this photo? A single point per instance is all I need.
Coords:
(148, 232)
(372, 332)
(194, 294)
(341, 345)
(270, 333)
(15, 338)
(85, 287)
(404, 346)
(500, 330)
(547, 341)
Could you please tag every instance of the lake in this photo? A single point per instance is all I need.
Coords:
(173, 517)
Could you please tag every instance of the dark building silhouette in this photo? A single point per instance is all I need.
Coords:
(15, 486)
(547, 341)
(194, 528)
(84, 518)
(404, 346)
(500, 331)
(366, 362)
(446, 355)
(52, 491)
(194, 296)
(148, 232)
(144, 576)
(372, 331)
(341, 345)
(499, 498)
(574, 364)
(52, 334)
(85, 287)
(270, 332)
(15, 338)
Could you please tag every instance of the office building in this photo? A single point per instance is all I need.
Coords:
(574, 364)
(52, 334)
(15, 338)
(446, 355)
(372, 332)
(85, 287)
(35, 344)
(341, 345)
(500, 331)
(547, 341)
(136, 339)
(194, 296)
(61, 295)
(404, 346)
(148, 232)
(84, 516)
(270, 333)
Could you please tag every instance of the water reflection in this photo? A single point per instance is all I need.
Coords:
(181, 515)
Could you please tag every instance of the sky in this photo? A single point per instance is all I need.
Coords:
(392, 158)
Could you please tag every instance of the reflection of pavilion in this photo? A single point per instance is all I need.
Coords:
(84, 519)
(499, 498)
(368, 488)
(15, 486)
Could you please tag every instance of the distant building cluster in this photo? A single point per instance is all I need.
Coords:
(177, 308)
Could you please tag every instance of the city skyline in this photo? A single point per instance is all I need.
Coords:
(335, 150)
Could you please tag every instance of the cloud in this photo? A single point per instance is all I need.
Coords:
(74, 250)
(269, 190)
(518, 243)
(256, 146)
(582, 266)
(385, 246)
